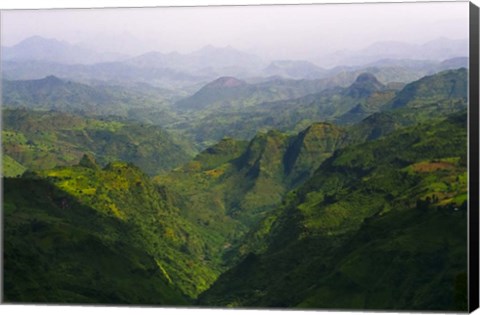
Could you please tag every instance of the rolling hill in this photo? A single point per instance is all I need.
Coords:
(53, 93)
(43, 140)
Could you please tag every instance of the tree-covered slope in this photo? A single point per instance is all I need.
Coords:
(416, 104)
(123, 191)
(232, 186)
(371, 214)
(374, 126)
(451, 84)
(42, 140)
(59, 250)
(381, 225)
(249, 176)
(123, 207)
(431, 97)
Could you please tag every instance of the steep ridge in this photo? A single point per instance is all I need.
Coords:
(310, 148)
(374, 126)
(344, 106)
(434, 96)
(365, 85)
(366, 195)
(331, 104)
(232, 186)
(272, 164)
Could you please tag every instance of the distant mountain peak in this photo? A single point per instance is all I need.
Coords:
(38, 48)
(52, 79)
(366, 77)
(226, 82)
(364, 86)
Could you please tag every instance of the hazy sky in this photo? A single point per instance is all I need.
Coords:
(295, 31)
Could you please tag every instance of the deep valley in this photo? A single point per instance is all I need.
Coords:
(170, 180)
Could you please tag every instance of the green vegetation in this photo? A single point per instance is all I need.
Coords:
(447, 85)
(123, 192)
(370, 213)
(43, 140)
(367, 230)
(232, 186)
(11, 168)
(243, 110)
(53, 93)
(232, 93)
(59, 250)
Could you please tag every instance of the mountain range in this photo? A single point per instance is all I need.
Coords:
(216, 178)
(232, 107)
(37, 48)
(242, 109)
(373, 205)
(437, 49)
(38, 57)
(207, 61)
(53, 93)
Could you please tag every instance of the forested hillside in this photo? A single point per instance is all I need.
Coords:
(219, 178)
